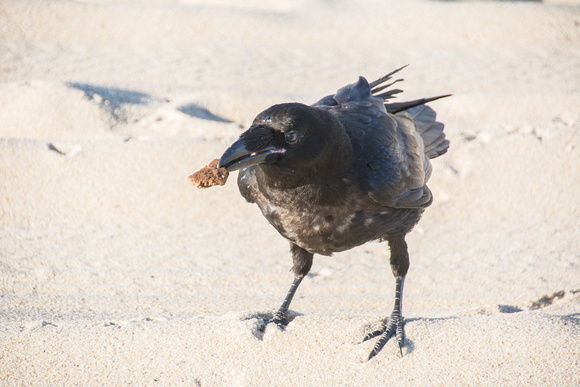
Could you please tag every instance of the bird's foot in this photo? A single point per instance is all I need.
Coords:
(392, 326)
(280, 318)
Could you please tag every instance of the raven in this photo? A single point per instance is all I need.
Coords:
(349, 169)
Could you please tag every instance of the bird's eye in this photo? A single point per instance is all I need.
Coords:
(291, 137)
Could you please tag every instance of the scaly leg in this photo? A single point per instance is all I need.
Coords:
(281, 316)
(302, 263)
(394, 325)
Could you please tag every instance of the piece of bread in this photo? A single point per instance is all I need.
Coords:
(209, 176)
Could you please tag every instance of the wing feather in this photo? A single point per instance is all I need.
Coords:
(392, 142)
(389, 151)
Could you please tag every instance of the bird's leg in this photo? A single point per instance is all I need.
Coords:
(281, 316)
(302, 263)
(394, 324)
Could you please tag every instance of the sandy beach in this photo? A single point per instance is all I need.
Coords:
(114, 270)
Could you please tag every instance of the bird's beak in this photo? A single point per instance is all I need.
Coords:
(238, 156)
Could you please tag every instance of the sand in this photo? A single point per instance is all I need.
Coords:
(114, 270)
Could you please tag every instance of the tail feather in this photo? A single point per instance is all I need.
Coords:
(438, 147)
(388, 94)
(383, 87)
(397, 107)
(424, 117)
(431, 131)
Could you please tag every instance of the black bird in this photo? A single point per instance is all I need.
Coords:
(344, 171)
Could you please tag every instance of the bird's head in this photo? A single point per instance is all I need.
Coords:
(290, 135)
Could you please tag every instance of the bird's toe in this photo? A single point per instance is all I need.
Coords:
(392, 326)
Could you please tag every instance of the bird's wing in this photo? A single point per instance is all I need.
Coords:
(399, 168)
(389, 151)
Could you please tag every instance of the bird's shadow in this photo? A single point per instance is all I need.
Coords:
(409, 345)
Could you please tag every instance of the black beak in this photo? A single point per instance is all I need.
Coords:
(237, 156)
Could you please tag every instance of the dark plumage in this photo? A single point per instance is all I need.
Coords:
(344, 171)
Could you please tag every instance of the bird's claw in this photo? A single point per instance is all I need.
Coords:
(393, 326)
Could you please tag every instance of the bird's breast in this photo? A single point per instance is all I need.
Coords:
(318, 230)
(333, 227)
